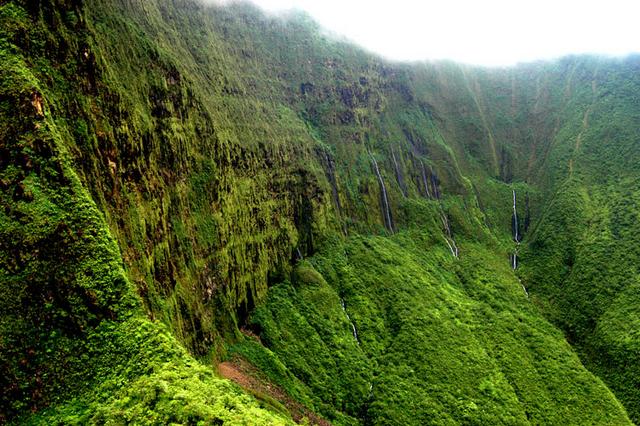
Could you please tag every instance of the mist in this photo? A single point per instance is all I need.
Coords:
(493, 32)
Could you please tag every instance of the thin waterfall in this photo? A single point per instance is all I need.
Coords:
(445, 223)
(526, 293)
(514, 264)
(353, 327)
(452, 247)
(424, 180)
(527, 213)
(448, 237)
(516, 235)
(399, 175)
(332, 180)
(331, 174)
(434, 182)
(385, 201)
(513, 258)
(299, 254)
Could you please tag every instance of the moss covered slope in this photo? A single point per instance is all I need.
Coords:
(165, 168)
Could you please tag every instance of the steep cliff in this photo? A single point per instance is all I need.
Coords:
(183, 184)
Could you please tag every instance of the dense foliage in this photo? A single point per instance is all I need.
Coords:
(172, 174)
(439, 341)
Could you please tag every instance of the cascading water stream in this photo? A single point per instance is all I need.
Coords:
(385, 201)
(516, 235)
(524, 288)
(331, 174)
(514, 232)
(516, 238)
(399, 176)
(332, 180)
(448, 237)
(353, 327)
(434, 183)
(424, 180)
(354, 331)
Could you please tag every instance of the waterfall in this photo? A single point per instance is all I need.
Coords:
(353, 327)
(514, 264)
(527, 213)
(524, 289)
(513, 258)
(516, 235)
(445, 223)
(452, 248)
(299, 254)
(332, 180)
(331, 175)
(434, 182)
(385, 201)
(424, 180)
(399, 175)
(448, 237)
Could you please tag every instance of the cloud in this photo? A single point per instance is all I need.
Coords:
(489, 32)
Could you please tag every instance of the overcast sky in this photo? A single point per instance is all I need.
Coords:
(484, 32)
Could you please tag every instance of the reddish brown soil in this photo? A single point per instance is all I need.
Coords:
(249, 378)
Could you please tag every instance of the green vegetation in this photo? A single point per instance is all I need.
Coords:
(176, 178)
(440, 341)
(71, 328)
(135, 372)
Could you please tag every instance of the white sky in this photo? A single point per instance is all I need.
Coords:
(483, 32)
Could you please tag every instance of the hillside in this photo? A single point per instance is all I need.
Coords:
(184, 185)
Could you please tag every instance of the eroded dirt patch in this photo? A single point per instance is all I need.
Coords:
(249, 378)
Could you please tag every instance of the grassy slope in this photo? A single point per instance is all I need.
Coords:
(581, 260)
(441, 341)
(205, 138)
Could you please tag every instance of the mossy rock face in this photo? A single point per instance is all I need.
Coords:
(304, 274)
(165, 167)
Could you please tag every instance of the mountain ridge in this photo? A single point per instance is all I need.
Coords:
(218, 147)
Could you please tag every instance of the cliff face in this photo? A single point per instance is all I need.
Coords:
(173, 173)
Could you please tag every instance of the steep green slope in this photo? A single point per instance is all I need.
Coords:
(582, 259)
(218, 146)
(435, 340)
(71, 325)
(548, 124)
